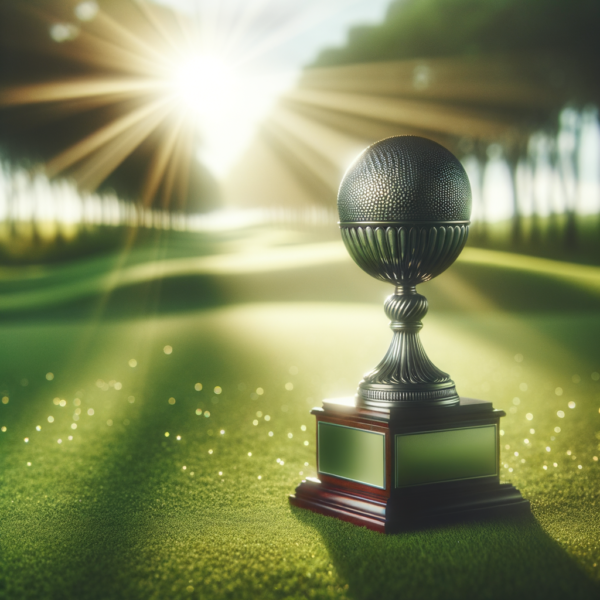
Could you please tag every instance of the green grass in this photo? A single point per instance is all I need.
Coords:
(112, 513)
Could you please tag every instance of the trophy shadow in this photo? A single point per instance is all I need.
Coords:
(511, 557)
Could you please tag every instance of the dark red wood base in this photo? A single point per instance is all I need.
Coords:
(390, 503)
(417, 510)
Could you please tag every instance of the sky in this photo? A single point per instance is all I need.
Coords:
(305, 26)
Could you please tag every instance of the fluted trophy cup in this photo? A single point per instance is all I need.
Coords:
(407, 450)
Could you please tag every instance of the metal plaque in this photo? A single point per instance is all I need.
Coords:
(446, 455)
(351, 453)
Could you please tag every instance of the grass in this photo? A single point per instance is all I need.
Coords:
(113, 513)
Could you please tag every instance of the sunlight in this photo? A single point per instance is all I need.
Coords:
(204, 85)
(203, 78)
(222, 103)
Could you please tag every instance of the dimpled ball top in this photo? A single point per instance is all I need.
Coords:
(405, 178)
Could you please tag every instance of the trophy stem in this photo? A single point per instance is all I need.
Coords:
(406, 377)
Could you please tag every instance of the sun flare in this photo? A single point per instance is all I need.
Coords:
(173, 98)
(204, 85)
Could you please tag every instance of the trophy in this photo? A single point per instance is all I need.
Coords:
(407, 450)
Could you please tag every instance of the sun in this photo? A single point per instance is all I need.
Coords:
(204, 85)
(218, 100)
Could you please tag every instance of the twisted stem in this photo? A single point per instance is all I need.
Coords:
(406, 373)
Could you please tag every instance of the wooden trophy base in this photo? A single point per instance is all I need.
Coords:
(398, 470)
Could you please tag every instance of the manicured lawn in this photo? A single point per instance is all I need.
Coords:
(187, 498)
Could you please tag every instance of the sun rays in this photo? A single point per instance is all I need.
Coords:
(145, 52)
(139, 69)
(488, 110)
(147, 76)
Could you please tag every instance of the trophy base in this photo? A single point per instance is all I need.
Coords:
(393, 470)
(418, 510)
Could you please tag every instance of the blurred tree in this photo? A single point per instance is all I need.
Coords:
(435, 28)
(511, 62)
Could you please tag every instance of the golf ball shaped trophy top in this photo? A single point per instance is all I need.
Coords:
(407, 450)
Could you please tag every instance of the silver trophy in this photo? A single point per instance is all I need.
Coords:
(407, 451)
(404, 210)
